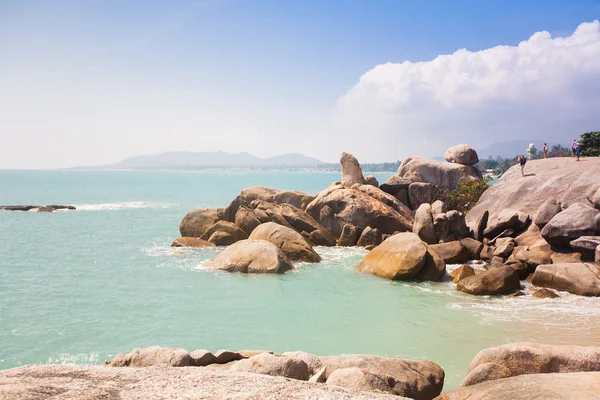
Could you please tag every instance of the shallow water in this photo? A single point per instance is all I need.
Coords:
(81, 286)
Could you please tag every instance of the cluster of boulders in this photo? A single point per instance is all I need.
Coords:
(421, 380)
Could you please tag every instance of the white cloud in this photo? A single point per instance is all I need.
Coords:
(545, 88)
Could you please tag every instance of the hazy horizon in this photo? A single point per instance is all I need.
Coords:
(96, 82)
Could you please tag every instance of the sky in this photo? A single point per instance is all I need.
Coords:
(94, 82)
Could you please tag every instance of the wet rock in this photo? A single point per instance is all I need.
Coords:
(576, 278)
(153, 355)
(273, 365)
(462, 154)
(576, 221)
(288, 240)
(191, 242)
(423, 225)
(351, 171)
(462, 272)
(251, 256)
(494, 281)
(544, 293)
(451, 252)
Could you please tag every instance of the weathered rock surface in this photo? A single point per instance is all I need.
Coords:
(535, 358)
(202, 358)
(434, 268)
(336, 206)
(595, 198)
(259, 193)
(576, 278)
(557, 178)
(246, 219)
(462, 272)
(586, 245)
(505, 249)
(546, 212)
(370, 238)
(423, 225)
(394, 184)
(313, 362)
(450, 226)
(574, 386)
(191, 242)
(386, 199)
(485, 372)
(274, 365)
(225, 356)
(473, 247)
(293, 197)
(251, 256)
(288, 240)
(35, 382)
(351, 171)
(576, 221)
(445, 176)
(196, 222)
(420, 380)
(224, 227)
(462, 154)
(532, 258)
(371, 180)
(506, 219)
(598, 255)
(363, 380)
(494, 281)
(154, 355)
(544, 293)
(478, 226)
(420, 193)
(349, 236)
(451, 252)
(400, 257)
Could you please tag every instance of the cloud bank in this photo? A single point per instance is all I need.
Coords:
(544, 88)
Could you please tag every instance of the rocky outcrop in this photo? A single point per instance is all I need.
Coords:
(494, 281)
(445, 176)
(191, 242)
(535, 358)
(423, 225)
(349, 236)
(313, 362)
(419, 193)
(92, 383)
(586, 245)
(462, 154)
(462, 272)
(351, 171)
(363, 380)
(224, 233)
(576, 221)
(450, 226)
(202, 358)
(402, 257)
(274, 365)
(288, 240)
(554, 178)
(532, 258)
(369, 238)
(225, 356)
(371, 180)
(485, 372)
(294, 197)
(251, 256)
(338, 206)
(473, 247)
(41, 209)
(579, 385)
(419, 380)
(544, 293)
(451, 252)
(576, 278)
(513, 220)
(546, 212)
(196, 222)
(154, 355)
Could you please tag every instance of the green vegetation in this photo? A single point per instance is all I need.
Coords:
(465, 196)
(590, 144)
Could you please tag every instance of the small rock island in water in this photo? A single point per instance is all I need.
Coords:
(543, 227)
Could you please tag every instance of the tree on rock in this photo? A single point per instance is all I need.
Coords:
(590, 144)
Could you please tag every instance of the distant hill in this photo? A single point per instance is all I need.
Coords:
(206, 160)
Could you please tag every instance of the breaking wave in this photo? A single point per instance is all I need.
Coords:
(127, 205)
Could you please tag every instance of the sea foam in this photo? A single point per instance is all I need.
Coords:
(127, 205)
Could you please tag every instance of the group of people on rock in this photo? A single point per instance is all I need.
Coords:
(575, 153)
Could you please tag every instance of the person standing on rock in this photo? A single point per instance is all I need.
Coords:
(577, 149)
(522, 161)
(573, 148)
(545, 150)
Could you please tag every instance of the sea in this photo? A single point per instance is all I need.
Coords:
(78, 287)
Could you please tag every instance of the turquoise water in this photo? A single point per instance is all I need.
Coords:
(81, 286)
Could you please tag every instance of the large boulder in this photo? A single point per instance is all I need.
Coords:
(251, 256)
(293, 197)
(532, 258)
(224, 229)
(485, 372)
(288, 240)
(386, 199)
(574, 386)
(434, 268)
(445, 176)
(593, 196)
(364, 381)
(246, 219)
(394, 184)
(196, 222)
(546, 212)
(371, 180)
(473, 247)
(274, 365)
(370, 238)
(535, 358)
(419, 380)
(419, 193)
(423, 225)
(202, 358)
(400, 257)
(313, 362)
(586, 245)
(494, 281)
(450, 226)
(259, 193)
(451, 252)
(462, 154)
(153, 355)
(576, 278)
(505, 220)
(576, 221)
(191, 242)
(349, 236)
(351, 171)
(556, 178)
(337, 206)
(462, 272)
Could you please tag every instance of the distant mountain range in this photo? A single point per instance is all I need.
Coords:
(191, 160)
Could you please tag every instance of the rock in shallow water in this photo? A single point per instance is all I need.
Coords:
(288, 240)
(251, 256)
(576, 278)
(494, 281)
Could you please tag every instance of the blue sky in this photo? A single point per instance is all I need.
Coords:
(96, 81)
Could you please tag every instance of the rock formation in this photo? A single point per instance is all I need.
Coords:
(288, 240)
(351, 171)
(445, 176)
(576, 278)
(494, 281)
(191, 242)
(251, 256)
(576, 221)
(274, 365)
(462, 154)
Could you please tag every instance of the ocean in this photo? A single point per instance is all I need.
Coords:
(78, 287)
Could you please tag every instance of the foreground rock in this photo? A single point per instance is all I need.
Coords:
(274, 365)
(577, 278)
(417, 380)
(288, 240)
(554, 178)
(576, 221)
(586, 245)
(48, 208)
(90, 383)
(363, 380)
(403, 256)
(462, 154)
(154, 355)
(191, 242)
(351, 171)
(535, 358)
(494, 281)
(252, 257)
(573, 386)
